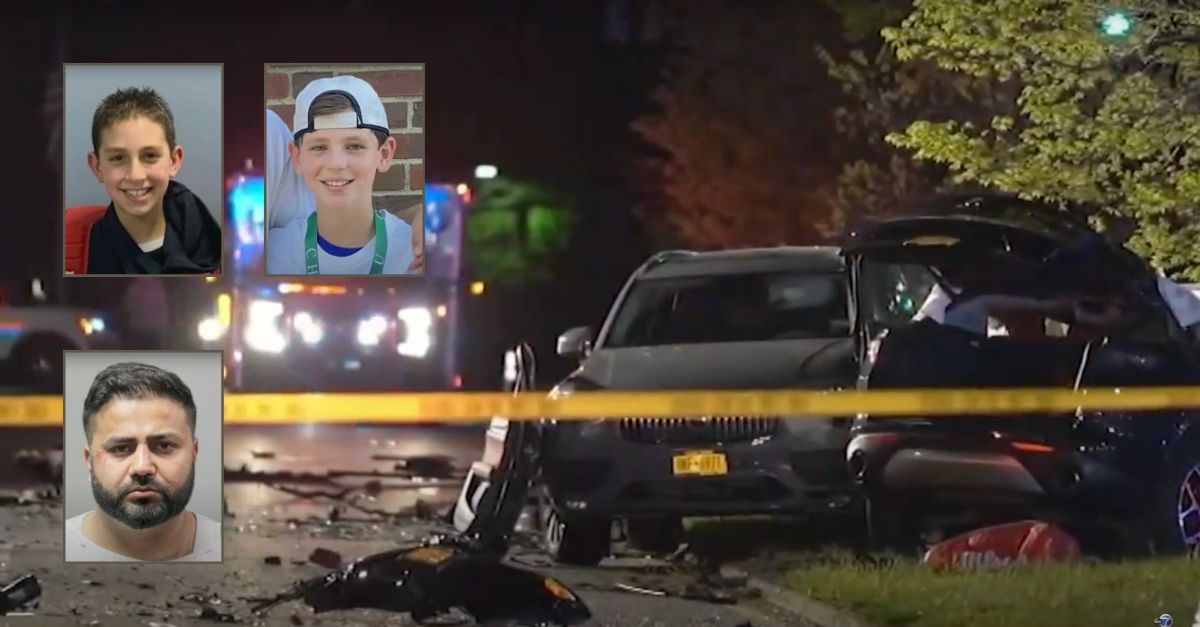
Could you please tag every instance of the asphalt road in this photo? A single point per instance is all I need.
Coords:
(264, 522)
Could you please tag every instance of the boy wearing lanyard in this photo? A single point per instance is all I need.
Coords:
(341, 140)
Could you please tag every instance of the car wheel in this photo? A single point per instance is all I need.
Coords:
(39, 362)
(660, 535)
(1175, 513)
(575, 541)
(892, 525)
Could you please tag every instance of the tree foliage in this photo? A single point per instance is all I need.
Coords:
(1107, 121)
(516, 232)
(882, 94)
(741, 128)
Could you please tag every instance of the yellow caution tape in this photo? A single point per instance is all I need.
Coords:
(458, 407)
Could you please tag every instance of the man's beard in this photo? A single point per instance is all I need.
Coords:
(149, 512)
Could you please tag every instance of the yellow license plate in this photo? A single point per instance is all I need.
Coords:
(703, 463)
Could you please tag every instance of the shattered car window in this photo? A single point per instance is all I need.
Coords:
(890, 295)
(896, 295)
(732, 308)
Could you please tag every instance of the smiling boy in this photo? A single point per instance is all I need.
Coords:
(341, 141)
(153, 225)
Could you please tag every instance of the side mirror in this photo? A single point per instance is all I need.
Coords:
(575, 343)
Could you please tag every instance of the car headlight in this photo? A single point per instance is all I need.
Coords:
(308, 327)
(213, 328)
(262, 328)
(371, 330)
(418, 326)
(210, 329)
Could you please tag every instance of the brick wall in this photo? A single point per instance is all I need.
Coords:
(400, 190)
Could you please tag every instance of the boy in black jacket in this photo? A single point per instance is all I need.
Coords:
(153, 225)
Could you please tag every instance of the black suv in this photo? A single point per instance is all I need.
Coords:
(1095, 472)
(738, 319)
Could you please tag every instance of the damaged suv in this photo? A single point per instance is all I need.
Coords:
(1108, 321)
(739, 319)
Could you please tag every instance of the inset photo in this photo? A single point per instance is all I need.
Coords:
(143, 477)
(345, 167)
(142, 169)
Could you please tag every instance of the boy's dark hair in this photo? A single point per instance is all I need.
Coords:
(126, 104)
(327, 104)
(135, 381)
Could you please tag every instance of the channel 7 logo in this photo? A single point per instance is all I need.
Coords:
(1164, 621)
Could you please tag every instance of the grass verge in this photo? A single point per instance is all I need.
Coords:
(908, 593)
(817, 559)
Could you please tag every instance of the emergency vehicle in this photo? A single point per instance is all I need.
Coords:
(336, 333)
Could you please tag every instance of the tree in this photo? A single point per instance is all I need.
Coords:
(882, 94)
(1104, 117)
(741, 128)
(515, 232)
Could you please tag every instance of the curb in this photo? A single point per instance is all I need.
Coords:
(815, 612)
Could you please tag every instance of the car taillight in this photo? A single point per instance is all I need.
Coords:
(1032, 447)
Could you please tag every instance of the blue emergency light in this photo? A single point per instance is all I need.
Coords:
(246, 200)
(436, 199)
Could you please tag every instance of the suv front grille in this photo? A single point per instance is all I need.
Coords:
(697, 430)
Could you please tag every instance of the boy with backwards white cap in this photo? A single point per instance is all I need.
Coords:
(341, 140)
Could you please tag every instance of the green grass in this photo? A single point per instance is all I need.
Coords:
(818, 559)
(908, 593)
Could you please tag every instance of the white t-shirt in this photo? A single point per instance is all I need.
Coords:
(206, 548)
(285, 251)
(1184, 301)
(288, 199)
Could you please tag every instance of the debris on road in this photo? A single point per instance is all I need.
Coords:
(45, 466)
(430, 466)
(20, 594)
(325, 557)
(624, 587)
(441, 576)
(273, 560)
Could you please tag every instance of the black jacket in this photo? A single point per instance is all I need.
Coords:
(192, 244)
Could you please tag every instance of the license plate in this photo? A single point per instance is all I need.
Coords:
(703, 463)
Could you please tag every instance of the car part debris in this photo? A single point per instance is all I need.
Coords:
(22, 593)
(325, 557)
(436, 577)
(465, 572)
(624, 587)
(1000, 546)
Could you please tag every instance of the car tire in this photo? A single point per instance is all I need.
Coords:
(892, 525)
(660, 535)
(575, 541)
(39, 361)
(1174, 515)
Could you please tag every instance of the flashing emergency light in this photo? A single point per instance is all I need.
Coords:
(435, 209)
(246, 200)
(486, 171)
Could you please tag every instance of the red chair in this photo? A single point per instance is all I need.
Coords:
(79, 221)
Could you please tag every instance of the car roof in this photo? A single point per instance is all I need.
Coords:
(806, 259)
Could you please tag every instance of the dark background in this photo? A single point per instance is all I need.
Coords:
(545, 90)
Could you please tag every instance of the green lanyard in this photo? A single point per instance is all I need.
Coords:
(310, 245)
